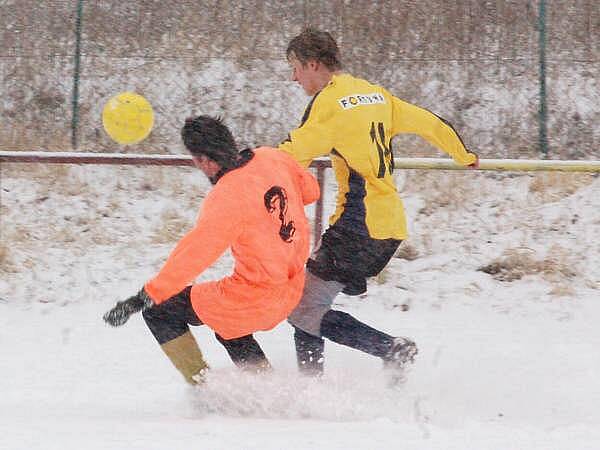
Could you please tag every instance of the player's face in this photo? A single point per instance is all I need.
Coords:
(206, 165)
(305, 75)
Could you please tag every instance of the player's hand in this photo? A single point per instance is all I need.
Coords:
(121, 312)
(474, 165)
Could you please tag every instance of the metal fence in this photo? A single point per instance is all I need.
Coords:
(319, 165)
(517, 78)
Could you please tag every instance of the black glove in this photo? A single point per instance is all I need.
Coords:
(120, 313)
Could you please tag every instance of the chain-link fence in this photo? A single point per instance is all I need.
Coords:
(508, 74)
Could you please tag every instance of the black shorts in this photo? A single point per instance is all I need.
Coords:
(171, 318)
(350, 258)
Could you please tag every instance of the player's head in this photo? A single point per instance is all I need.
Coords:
(208, 136)
(314, 59)
(315, 45)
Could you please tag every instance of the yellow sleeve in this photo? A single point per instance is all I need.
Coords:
(408, 118)
(314, 137)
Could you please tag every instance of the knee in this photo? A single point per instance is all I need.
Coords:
(306, 324)
(300, 334)
(334, 320)
(333, 316)
(235, 343)
(150, 315)
(155, 324)
(221, 339)
(307, 342)
(293, 322)
(164, 325)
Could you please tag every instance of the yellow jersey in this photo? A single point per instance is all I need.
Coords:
(354, 121)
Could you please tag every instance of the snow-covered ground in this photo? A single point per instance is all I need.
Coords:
(508, 359)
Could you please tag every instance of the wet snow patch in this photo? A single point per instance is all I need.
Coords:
(337, 396)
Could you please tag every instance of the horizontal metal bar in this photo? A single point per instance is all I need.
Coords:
(399, 163)
(502, 164)
(95, 158)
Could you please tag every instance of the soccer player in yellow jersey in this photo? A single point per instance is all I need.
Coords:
(353, 121)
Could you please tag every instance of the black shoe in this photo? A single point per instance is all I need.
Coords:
(402, 352)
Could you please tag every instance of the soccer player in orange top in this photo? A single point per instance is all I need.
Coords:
(256, 208)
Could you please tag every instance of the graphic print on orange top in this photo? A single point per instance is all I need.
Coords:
(277, 195)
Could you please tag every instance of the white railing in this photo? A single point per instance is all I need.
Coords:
(320, 164)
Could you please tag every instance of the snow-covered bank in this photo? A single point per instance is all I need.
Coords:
(483, 380)
(502, 364)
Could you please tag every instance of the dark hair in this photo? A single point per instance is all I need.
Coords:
(205, 135)
(316, 45)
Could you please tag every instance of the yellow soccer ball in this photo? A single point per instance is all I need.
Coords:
(128, 118)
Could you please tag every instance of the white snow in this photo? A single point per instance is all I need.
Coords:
(502, 365)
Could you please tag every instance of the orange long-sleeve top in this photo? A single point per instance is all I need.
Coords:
(258, 211)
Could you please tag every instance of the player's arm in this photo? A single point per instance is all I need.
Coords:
(408, 118)
(309, 186)
(216, 228)
(314, 137)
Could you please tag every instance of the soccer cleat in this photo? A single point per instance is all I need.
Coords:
(401, 353)
(198, 378)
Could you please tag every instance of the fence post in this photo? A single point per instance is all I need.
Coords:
(76, 71)
(543, 115)
(318, 226)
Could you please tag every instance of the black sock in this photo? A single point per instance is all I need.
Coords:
(344, 329)
(244, 352)
(309, 352)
